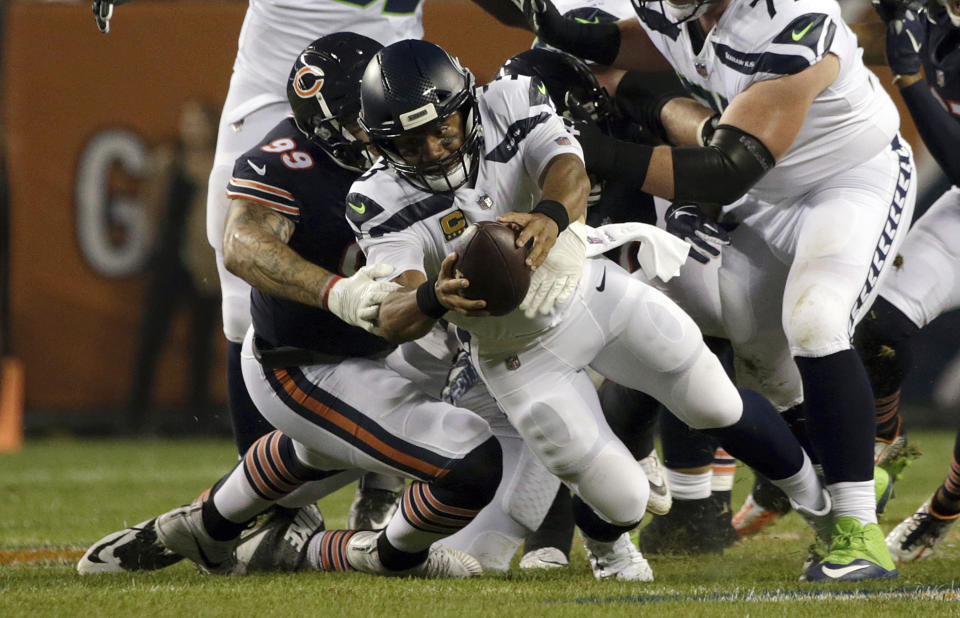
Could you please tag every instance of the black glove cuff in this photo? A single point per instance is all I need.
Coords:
(427, 300)
(597, 42)
(556, 211)
(642, 104)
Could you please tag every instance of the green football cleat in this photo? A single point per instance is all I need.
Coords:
(883, 486)
(857, 552)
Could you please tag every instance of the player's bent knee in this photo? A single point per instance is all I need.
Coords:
(479, 470)
(710, 400)
(817, 323)
(614, 485)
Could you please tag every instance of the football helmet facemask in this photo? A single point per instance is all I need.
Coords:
(681, 11)
(324, 92)
(570, 84)
(411, 88)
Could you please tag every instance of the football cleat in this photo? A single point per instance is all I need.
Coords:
(544, 558)
(691, 527)
(883, 487)
(442, 561)
(916, 536)
(660, 499)
(617, 560)
(764, 506)
(181, 531)
(752, 518)
(280, 544)
(857, 552)
(372, 508)
(132, 549)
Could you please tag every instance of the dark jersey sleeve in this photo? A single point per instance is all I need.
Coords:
(265, 173)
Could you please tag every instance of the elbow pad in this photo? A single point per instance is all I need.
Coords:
(723, 171)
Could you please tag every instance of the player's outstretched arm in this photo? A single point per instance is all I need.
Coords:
(410, 312)
(255, 249)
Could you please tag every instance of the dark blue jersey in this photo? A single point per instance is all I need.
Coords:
(291, 175)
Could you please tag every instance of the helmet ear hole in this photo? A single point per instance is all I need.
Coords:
(323, 90)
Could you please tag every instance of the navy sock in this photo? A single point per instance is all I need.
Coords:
(631, 415)
(248, 424)
(796, 419)
(761, 439)
(397, 560)
(684, 447)
(840, 415)
(556, 530)
(593, 526)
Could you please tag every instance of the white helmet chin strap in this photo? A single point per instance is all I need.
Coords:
(951, 12)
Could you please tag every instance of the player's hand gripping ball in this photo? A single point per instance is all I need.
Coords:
(490, 260)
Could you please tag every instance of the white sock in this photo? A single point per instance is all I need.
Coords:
(686, 486)
(724, 469)
(854, 499)
(804, 487)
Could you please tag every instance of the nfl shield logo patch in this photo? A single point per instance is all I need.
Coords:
(701, 69)
(485, 202)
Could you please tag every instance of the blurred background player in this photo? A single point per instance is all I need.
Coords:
(310, 364)
(182, 271)
(781, 161)
(271, 35)
(921, 44)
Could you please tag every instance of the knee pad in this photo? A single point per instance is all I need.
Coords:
(473, 481)
(818, 323)
(614, 486)
(714, 402)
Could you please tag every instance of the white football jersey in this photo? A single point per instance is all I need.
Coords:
(275, 31)
(755, 40)
(399, 224)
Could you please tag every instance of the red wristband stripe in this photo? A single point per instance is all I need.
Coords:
(326, 290)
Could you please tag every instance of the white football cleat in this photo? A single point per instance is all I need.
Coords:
(617, 560)
(442, 561)
(280, 544)
(544, 558)
(372, 508)
(660, 499)
(132, 549)
(916, 536)
(181, 531)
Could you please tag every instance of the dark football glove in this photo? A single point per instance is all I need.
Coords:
(905, 33)
(705, 237)
(103, 12)
(904, 38)
(540, 15)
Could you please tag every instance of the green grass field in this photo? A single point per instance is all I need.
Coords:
(63, 494)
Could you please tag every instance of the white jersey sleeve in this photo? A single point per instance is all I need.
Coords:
(519, 119)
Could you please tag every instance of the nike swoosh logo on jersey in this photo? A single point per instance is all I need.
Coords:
(592, 20)
(542, 88)
(799, 35)
(836, 573)
(362, 208)
(261, 170)
(603, 280)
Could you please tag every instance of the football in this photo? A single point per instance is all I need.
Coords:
(488, 257)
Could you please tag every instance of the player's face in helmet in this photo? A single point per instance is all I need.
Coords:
(421, 115)
(679, 11)
(434, 145)
(324, 93)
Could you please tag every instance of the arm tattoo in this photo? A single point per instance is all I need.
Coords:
(255, 249)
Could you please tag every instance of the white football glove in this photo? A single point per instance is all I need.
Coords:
(356, 300)
(556, 279)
